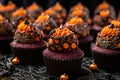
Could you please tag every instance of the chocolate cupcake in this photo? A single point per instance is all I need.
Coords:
(82, 31)
(6, 36)
(27, 45)
(18, 16)
(9, 8)
(79, 10)
(46, 24)
(63, 54)
(53, 14)
(102, 19)
(61, 13)
(106, 51)
(34, 10)
(104, 6)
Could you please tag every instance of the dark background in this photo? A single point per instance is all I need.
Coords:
(91, 4)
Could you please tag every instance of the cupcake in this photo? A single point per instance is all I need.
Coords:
(61, 13)
(9, 8)
(34, 10)
(46, 24)
(18, 16)
(79, 10)
(82, 31)
(53, 14)
(27, 45)
(106, 51)
(5, 36)
(63, 54)
(102, 19)
(104, 6)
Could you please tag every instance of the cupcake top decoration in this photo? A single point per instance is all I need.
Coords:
(62, 39)
(42, 19)
(78, 6)
(1, 18)
(5, 29)
(57, 7)
(10, 6)
(109, 37)
(115, 23)
(26, 33)
(77, 13)
(103, 18)
(78, 26)
(19, 12)
(104, 13)
(103, 5)
(33, 7)
(80, 10)
(61, 13)
(50, 12)
(46, 23)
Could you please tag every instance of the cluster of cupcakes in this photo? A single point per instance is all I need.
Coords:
(39, 38)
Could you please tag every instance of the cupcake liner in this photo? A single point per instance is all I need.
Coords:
(86, 46)
(29, 55)
(107, 61)
(57, 67)
(5, 46)
(95, 30)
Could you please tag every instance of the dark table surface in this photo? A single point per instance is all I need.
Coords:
(32, 72)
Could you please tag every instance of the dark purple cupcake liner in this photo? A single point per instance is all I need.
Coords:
(29, 55)
(108, 62)
(86, 46)
(5, 46)
(58, 67)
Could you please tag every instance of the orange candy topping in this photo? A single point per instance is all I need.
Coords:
(104, 13)
(62, 32)
(75, 21)
(33, 7)
(42, 18)
(20, 12)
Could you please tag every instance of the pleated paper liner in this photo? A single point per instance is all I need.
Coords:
(5, 45)
(85, 45)
(57, 67)
(107, 59)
